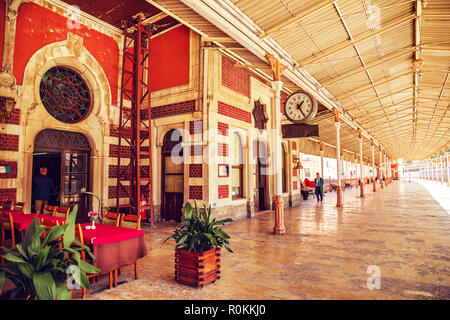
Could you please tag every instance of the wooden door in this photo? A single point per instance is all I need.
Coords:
(74, 177)
(172, 180)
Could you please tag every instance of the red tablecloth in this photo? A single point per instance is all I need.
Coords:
(22, 220)
(104, 234)
(114, 247)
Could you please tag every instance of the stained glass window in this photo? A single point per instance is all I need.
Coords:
(65, 94)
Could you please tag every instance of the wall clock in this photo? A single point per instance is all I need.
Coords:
(300, 107)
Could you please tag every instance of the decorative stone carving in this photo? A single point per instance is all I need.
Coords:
(7, 80)
(259, 115)
(74, 43)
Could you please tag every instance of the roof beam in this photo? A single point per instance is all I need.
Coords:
(282, 25)
(370, 86)
(379, 98)
(382, 116)
(355, 41)
(154, 18)
(357, 70)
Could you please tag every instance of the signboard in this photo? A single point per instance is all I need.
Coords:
(299, 130)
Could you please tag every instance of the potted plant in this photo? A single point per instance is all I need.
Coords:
(198, 245)
(39, 267)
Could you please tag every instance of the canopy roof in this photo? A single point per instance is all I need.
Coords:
(383, 64)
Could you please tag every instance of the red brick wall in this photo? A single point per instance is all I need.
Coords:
(196, 150)
(294, 172)
(8, 194)
(223, 191)
(235, 78)
(114, 151)
(195, 170)
(196, 192)
(222, 149)
(222, 128)
(283, 97)
(294, 185)
(173, 109)
(113, 171)
(9, 142)
(14, 118)
(13, 170)
(233, 112)
(196, 127)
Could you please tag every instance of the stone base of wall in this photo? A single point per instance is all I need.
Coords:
(234, 212)
(157, 213)
(295, 200)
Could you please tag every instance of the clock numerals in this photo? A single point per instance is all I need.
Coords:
(299, 107)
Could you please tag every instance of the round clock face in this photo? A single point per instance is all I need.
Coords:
(300, 107)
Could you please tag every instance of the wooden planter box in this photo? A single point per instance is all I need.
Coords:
(197, 269)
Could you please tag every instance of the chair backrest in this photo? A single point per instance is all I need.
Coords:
(48, 224)
(111, 218)
(6, 204)
(130, 221)
(49, 210)
(7, 223)
(18, 206)
(62, 212)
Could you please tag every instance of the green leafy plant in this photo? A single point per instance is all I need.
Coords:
(38, 266)
(200, 233)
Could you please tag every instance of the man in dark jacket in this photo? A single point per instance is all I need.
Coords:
(318, 187)
(42, 186)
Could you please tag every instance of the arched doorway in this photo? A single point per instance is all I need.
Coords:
(172, 180)
(66, 156)
(260, 153)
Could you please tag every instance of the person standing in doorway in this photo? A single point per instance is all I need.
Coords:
(318, 187)
(42, 186)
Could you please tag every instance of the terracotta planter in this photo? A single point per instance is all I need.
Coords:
(197, 269)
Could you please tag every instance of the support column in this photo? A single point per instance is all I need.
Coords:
(321, 160)
(432, 170)
(277, 69)
(381, 169)
(361, 165)
(373, 168)
(279, 207)
(442, 169)
(384, 169)
(448, 168)
(337, 124)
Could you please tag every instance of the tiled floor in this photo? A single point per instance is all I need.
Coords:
(325, 254)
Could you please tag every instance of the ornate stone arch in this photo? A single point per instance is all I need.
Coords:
(70, 53)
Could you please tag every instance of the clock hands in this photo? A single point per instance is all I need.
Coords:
(299, 108)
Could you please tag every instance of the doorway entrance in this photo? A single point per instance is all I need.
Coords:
(172, 183)
(261, 175)
(66, 156)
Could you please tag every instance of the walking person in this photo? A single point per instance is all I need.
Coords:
(318, 187)
(42, 188)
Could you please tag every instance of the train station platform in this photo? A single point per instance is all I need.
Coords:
(400, 232)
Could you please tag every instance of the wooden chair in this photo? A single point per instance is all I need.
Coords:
(49, 210)
(18, 206)
(7, 204)
(111, 218)
(48, 224)
(134, 222)
(79, 236)
(7, 224)
(61, 212)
